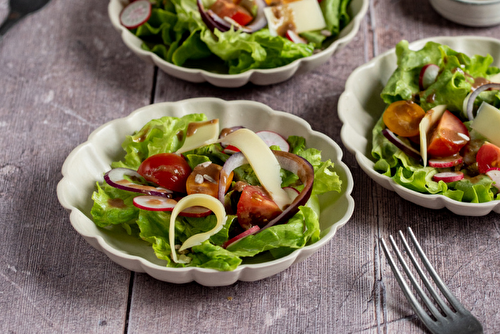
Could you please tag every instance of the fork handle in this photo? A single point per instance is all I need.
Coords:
(11, 20)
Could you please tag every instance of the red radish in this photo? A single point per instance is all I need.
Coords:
(410, 151)
(448, 177)
(447, 162)
(294, 37)
(494, 174)
(156, 203)
(240, 236)
(274, 139)
(230, 149)
(135, 14)
(428, 76)
(292, 192)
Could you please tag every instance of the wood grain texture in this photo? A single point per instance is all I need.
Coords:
(64, 71)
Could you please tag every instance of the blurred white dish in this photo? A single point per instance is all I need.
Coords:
(357, 9)
(360, 107)
(87, 163)
(474, 13)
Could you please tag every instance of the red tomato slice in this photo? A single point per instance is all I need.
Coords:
(488, 157)
(255, 207)
(225, 8)
(448, 137)
(168, 170)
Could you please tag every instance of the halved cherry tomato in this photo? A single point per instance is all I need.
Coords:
(403, 118)
(168, 170)
(208, 180)
(255, 207)
(448, 137)
(488, 157)
(226, 8)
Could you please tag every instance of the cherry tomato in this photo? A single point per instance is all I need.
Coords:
(448, 137)
(168, 170)
(403, 118)
(204, 179)
(255, 207)
(488, 157)
(226, 8)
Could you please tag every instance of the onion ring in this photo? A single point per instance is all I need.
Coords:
(474, 94)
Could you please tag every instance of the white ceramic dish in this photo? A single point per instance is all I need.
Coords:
(360, 107)
(357, 9)
(474, 13)
(87, 163)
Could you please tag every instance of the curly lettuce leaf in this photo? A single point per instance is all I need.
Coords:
(113, 206)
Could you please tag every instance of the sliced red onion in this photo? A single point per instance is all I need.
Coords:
(156, 203)
(250, 231)
(235, 161)
(410, 151)
(116, 178)
(305, 171)
(214, 21)
(475, 94)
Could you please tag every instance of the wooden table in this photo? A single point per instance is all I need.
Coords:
(64, 71)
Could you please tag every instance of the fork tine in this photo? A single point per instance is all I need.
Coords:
(430, 305)
(419, 310)
(437, 280)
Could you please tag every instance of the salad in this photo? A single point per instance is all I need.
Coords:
(439, 133)
(214, 198)
(234, 36)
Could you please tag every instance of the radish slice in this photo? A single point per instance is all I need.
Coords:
(116, 178)
(156, 203)
(474, 94)
(272, 138)
(410, 151)
(428, 76)
(494, 174)
(447, 162)
(292, 192)
(250, 231)
(230, 149)
(294, 37)
(135, 14)
(448, 177)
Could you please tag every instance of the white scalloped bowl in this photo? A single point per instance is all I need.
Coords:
(360, 107)
(357, 9)
(88, 162)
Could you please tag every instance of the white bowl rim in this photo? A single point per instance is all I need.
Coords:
(237, 272)
(355, 21)
(452, 205)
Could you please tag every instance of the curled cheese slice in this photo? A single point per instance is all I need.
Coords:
(426, 124)
(263, 162)
(203, 200)
(200, 134)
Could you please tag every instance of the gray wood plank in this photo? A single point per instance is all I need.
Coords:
(63, 72)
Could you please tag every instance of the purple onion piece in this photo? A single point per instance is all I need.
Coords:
(116, 179)
(234, 161)
(214, 21)
(305, 171)
(410, 151)
(475, 93)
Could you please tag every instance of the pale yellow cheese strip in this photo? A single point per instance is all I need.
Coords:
(487, 123)
(204, 133)
(205, 201)
(430, 118)
(263, 162)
